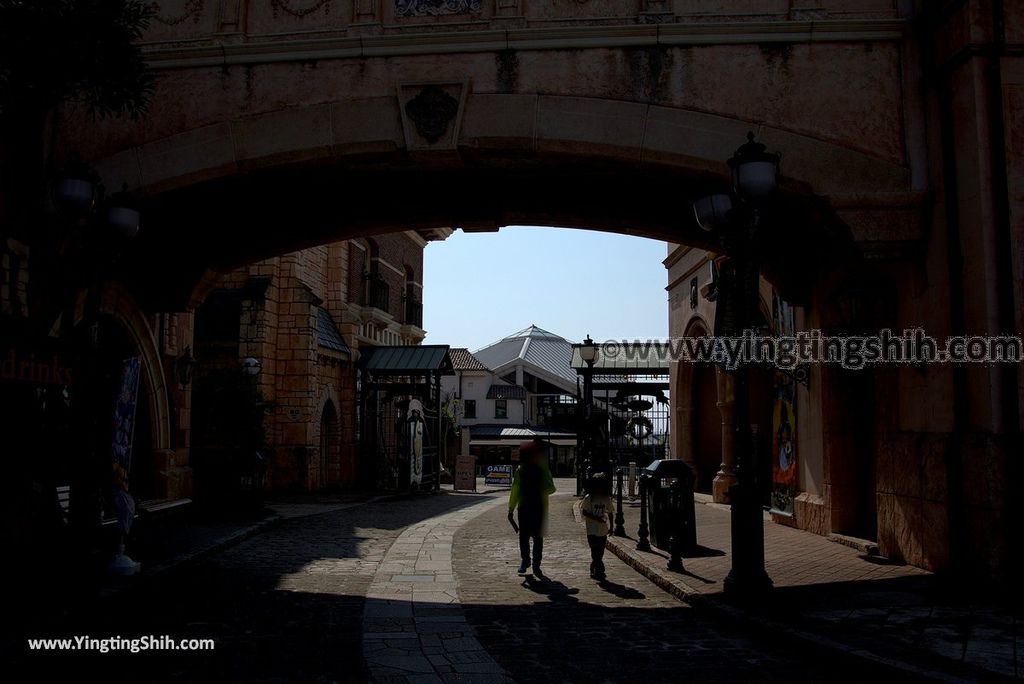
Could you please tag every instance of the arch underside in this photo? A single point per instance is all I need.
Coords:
(252, 187)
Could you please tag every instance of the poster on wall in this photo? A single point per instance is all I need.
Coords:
(783, 452)
(124, 412)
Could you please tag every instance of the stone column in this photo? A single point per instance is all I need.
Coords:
(684, 436)
(726, 476)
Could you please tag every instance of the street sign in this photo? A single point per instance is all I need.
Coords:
(498, 476)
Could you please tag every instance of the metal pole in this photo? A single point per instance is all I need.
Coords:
(747, 577)
(643, 542)
(620, 519)
(588, 421)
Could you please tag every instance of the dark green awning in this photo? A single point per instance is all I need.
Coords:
(407, 360)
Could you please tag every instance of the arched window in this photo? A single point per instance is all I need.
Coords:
(328, 442)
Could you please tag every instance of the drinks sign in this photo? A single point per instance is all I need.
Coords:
(33, 368)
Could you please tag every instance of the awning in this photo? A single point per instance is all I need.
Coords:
(407, 360)
(506, 392)
(560, 442)
(495, 442)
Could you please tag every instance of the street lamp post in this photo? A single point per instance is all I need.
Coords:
(588, 354)
(755, 178)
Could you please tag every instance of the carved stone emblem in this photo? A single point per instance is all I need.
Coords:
(432, 111)
(427, 8)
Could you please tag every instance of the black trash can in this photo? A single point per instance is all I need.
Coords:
(668, 486)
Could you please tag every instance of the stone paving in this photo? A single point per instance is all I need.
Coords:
(834, 594)
(285, 605)
(570, 628)
(424, 589)
(414, 629)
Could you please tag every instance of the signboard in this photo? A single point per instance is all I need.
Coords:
(465, 473)
(498, 476)
(41, 364)
(783, 453)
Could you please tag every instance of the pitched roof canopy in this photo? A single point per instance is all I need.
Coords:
(327, 334)
(506, 392)
(407, 360)
(535, 347)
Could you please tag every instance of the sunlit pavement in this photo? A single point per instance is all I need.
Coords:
(423, 589)
(570, 628)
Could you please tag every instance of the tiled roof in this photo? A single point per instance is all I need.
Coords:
(463, 359)
(506, 392)
(327, 334)
(407, 359)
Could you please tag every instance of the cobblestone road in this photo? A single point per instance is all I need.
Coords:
(571, 629)
(418, 590)
(283, 606)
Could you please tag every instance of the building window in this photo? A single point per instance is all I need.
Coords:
(470, 409)
(501, 408)
(693, 293)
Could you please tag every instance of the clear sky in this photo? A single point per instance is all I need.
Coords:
(480, 287)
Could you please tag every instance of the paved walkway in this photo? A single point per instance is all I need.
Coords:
(570, 628)
(424, 589)
(414, 629)
(837, 596)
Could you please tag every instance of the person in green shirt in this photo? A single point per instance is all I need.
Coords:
(531, 487)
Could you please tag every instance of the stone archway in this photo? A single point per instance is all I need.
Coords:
(119, 305)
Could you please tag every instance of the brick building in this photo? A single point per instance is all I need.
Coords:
(303, 316)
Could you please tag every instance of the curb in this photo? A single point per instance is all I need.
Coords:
(697, 600)
(183, 560)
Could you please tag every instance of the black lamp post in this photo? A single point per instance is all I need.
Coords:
(588, 354)
(755, 179)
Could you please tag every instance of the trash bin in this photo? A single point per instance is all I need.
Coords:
(668, 486)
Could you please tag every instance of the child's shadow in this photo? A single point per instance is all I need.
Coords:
(621, 590)
(554, 590)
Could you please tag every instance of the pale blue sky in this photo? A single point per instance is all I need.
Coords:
(480, 287)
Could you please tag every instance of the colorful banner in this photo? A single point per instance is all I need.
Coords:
(783, 454)
(124, 412)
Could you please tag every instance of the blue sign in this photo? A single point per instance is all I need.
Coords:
(498, 475)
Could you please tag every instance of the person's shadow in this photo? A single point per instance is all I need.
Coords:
(553, 589)
(621, 590)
